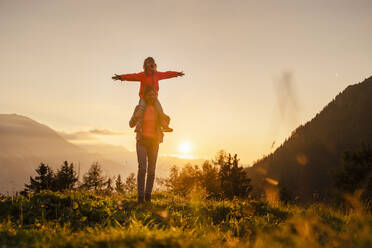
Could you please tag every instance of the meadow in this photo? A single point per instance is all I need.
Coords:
(87, 219)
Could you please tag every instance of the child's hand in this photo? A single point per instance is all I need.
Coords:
(181, 73)
(116, 77)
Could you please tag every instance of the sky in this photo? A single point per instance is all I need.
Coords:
(254, 70)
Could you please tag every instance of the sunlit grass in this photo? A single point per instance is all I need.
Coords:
(83, 219)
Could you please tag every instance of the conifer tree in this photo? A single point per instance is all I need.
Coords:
(130, 183)
(109, 185)
(355, 172)
(233, 179)
(66, 177)
(44, 180)
(93, 179)
(119, 185)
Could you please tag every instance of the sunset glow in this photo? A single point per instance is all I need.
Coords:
(245, 85)
(185, 147)
(185, 123)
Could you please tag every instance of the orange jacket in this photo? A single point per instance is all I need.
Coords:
(151, 80)
(149, 122)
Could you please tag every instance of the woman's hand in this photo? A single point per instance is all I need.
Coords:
(116, 77)
(181, 73)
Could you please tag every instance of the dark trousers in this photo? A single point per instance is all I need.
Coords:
(147, 154)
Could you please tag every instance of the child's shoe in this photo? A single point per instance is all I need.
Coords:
(138, 128)
(167, 129)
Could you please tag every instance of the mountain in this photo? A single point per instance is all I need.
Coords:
(305, 162)
(24, 143)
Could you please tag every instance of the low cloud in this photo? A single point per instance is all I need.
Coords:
(87, 135)
(81, 135)
(104, 132)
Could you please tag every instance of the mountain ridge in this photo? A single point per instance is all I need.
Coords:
(304, 163)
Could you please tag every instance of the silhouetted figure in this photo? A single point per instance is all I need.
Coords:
(149, 135)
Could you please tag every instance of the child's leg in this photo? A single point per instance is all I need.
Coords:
(138, 113)
(158, 106)
(164, 119)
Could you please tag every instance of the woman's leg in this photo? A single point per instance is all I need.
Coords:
(142, 164)
(152, 155)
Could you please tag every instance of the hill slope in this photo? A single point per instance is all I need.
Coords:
(25, 143)
(304, 163)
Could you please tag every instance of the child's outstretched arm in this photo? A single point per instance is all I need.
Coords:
(169, 74)
(128, 77)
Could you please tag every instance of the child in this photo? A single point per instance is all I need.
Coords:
(150, 76)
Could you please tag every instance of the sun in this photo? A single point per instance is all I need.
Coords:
(185, 147)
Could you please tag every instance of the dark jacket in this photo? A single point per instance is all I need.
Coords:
(159, 133)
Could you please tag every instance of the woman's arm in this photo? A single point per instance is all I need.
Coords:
(169, 74)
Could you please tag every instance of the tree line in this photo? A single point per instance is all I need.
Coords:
(220, 178)
(66, 178)
(223, 177)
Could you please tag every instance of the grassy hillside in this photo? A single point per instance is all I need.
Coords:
(83, 219)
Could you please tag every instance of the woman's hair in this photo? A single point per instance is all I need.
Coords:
(147, 89)
(148, 59)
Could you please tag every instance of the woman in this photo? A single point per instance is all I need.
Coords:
(148, 136)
